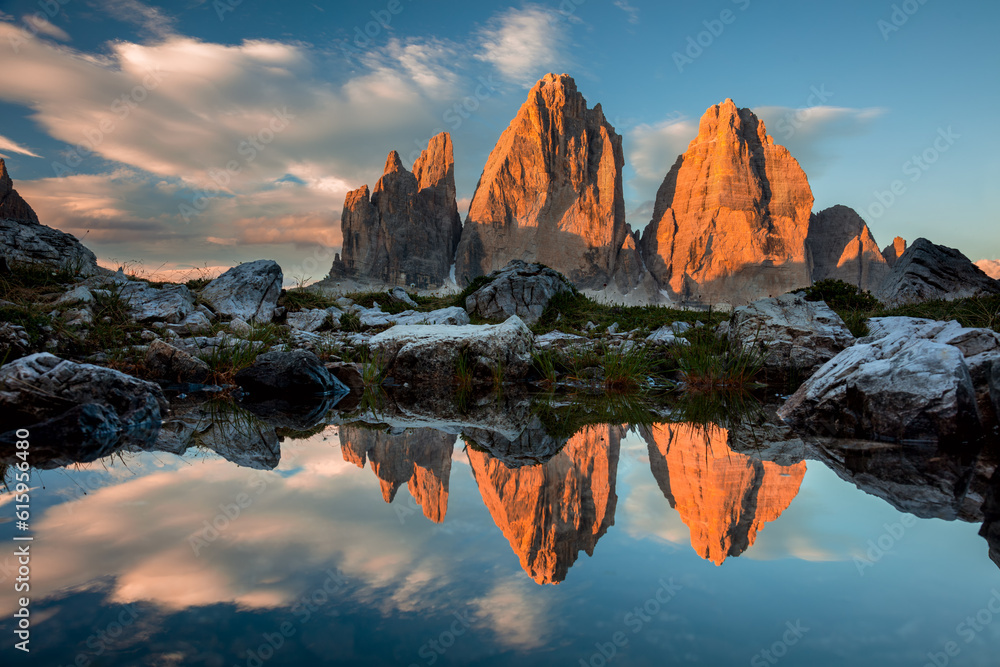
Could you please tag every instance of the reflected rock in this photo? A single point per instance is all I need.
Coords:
(550, 512)
(532, 446)
(723, 497)
(231, 432)
(82, 434)
(419, 458)
(300, 414)
(918, 479)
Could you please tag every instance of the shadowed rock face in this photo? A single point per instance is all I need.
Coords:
(419, 458)
(12, 206)
(551, 191)
(723, 497)
(731, 217)
(894, 251)
(407, 232)
(843, 248)
(928, 271)
(552, 511)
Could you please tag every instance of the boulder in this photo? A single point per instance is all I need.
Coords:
(374, 317)
(666, 336)
(399, 294)
(171, 303)
(891, 388)
(731, 218)
(407, 231)
(166, 362)
(520, 289)
(349, 374)
(79, 294)
(295, 373)
(797, 333)
(41, 386)
(307, 320)
(249, 291)
(551, 192)
(430, 354)
(82, 434)
(927, 272)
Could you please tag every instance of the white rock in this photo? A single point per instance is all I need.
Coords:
(79, 294)
(239, 327)
(798, 333)
(249, 291)
(307, 320)
(400, 294)
(667, 335)
(171, 303)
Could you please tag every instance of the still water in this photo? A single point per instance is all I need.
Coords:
(409, 545)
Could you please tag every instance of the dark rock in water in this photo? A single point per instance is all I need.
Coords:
(166, 362)
(349, 374)
(407, 232)
(532, 446)
(300, 414)
(520, 289)
(41, 387)
(927, 271)
(24, 240)
(248, 291)
(294, 373)
(82, 434)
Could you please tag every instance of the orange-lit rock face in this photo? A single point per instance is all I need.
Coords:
(731, 218)
(551, 191)
(552, 511)
(420, 458)
(723, 497)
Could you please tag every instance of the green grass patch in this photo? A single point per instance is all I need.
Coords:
(711, 364)
(297, 299)
(571, 312)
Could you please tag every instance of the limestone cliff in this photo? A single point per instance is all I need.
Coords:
(842, 248)
(731, 218)
(406, 232)
(551, 192)
(12, 207)
(419, 458)
(894, 251)
(550, 512)
(723, 497)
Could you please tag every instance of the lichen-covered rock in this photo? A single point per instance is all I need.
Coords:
(166, 362)
(928, 271)
(731, 218)
(171, 303)
(520, 289)
(842, 248)
(374, 317)
(406, 233)
(307, 320)
(249, 291)
(551, 192)
(429, 354)
(798, 334)
(894, 388)
(41, 386)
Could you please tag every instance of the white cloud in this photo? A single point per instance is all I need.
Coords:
(150, 19)
(42, 25)
(524, 44)
(652, 150)
(633, 12)
(990, 266)
(11, 146)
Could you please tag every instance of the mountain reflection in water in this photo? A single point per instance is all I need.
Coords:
(473, 516)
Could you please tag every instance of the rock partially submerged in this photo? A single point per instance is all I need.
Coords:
(520, 289)
(910, 380)
(42, 387)
(295, 373)
(927, 271)
(430, 354)
(798, 334)
(166, 362)
(249, 291)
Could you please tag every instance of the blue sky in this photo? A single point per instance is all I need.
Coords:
(304, 101)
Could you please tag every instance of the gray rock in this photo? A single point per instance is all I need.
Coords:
(375, 317)
(172, 303)
(166, 362)
(42, 386)
(79, 317)
(400, 294)
(798, 334)
(842, 248)
(239, 327)
(79, 294)
(667, 335)
(520, 289)
(531, 447)
(295, 373)
(14, 339)
(893, 388)
(335, 314)
(249, 291)
(82, 434)
(429, 354)
(927, 271)
(307, 320)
